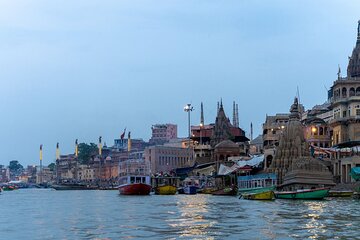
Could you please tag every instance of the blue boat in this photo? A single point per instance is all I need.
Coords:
(190, 189)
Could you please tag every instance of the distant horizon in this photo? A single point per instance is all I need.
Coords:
(80, 70)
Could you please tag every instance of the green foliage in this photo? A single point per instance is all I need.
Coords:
(51, 166)
(15, 167)
(86, 152)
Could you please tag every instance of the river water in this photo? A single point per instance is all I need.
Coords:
(50, 214)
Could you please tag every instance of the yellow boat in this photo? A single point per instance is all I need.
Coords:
(334, 193)
(165, 190)
(266, 195)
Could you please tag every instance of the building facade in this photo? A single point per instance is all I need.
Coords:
(166, 159)
(161, 133)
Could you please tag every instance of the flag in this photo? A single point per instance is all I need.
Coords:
(123, 134)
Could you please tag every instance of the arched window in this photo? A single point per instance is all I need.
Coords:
(352, 92)
(321, 131)
(357, 91)
(344, 92)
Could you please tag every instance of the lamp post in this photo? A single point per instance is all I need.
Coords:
(188, 108)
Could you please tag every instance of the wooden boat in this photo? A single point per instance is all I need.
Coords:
(72, 186)
(190, 189)
(9, 188)
(265, 195)
(308, 194)
(228, 191)
(165, 185)
(334, 193)
(207, 190)
(134, 177)
(135, 188)
(256, 190)
(166, 190)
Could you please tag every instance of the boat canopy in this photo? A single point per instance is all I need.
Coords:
(355, 173)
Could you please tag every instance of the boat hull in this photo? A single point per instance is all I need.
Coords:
(72, 187)
(135, 189)
(313, 194)
(190, 190)
(266, 195)
(256, 190)
(340, 193)
(225, 192)
(166, 190)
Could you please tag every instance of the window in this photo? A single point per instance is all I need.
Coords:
(357, 112)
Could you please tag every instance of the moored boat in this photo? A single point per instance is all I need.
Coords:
(139, 188)
(134, 177)
(227, 191)
(306, 194)
(72, 186)
(334, 193)
(265, 195)
(190, 189)
(165, 185)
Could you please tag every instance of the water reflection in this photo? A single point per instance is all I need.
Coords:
(106, 215)
(192, 221)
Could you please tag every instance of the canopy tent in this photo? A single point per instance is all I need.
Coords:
(355, 173)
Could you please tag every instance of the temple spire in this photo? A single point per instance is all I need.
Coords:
(221, 105)
(358, 33)
(251, 131)
(234, 114)
(202, 115)
(237, 116)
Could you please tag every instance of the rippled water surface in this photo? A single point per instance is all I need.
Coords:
(50, 214)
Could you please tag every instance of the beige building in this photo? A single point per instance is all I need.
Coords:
(345, 100)
(86, 173)
(166, 159)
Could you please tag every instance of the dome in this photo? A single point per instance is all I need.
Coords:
(353, 69)
(227, 144)
(108, 158)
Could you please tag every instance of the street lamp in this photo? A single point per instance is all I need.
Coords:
(188, 108)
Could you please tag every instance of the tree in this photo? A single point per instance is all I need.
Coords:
(51, 166)
(15, 168)
(86, 152)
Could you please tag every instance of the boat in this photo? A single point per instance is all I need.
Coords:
(72, 186)
(165, 185)
(190, 185)
(134, 177)
(257, 183)
(334, 193)
(264, 195)
(190, 189)
(256, 190)
(305, 194)
(227, 191)
(9, 188)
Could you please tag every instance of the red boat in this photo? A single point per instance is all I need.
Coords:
(135, 189)
(134, 178)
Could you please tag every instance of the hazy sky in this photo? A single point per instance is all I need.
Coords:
(81, 69)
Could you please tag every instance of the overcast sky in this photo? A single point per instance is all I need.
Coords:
(81, 69)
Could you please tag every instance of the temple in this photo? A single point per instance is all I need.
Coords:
(293, 164)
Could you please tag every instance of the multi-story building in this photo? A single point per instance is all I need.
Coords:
(162, 133)
(166, 159)
(3, 174)
(344, 96)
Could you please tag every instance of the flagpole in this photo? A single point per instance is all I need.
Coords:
(40, 175)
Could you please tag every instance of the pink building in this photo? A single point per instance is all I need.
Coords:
(162, 133)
